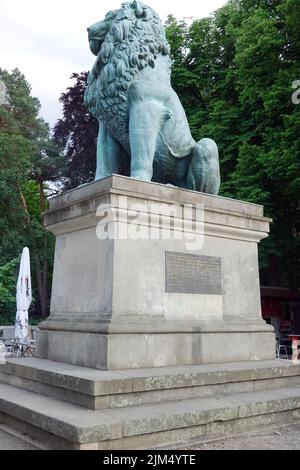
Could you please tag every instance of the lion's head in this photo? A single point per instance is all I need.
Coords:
(125, 42)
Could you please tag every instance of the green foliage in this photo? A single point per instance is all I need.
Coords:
(22, 111)
(29, 159)
(15, 163)
(8, 283)
(234, 72)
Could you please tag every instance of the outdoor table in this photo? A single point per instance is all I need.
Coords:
(295, 344)
(26, 347)
(21, 348)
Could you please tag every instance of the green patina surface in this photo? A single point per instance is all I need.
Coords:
(142, 123)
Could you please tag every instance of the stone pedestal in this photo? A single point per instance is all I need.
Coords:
(149, 275)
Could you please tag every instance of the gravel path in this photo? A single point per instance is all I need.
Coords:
(281, 438)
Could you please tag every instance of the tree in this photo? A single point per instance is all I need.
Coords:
(233, 72)
(7, 291)
(76, 134)
(28, 161)
(246, 57)
(21, 114)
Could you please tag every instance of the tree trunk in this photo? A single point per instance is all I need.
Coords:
(41, 276)
(42, 196)
(41, 290)
(45, 273)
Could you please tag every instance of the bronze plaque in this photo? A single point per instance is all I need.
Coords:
(187, 273)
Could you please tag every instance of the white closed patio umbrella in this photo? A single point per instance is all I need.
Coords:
(23, 297)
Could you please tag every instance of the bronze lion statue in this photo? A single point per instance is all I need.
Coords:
(141, 118)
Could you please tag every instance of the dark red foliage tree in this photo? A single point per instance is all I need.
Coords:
(76, 134)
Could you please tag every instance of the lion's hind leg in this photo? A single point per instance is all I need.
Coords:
(204, 171)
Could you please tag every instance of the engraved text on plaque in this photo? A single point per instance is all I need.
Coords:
(188, 273)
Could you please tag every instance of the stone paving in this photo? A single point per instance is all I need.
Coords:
(12, 441)
(282, 438)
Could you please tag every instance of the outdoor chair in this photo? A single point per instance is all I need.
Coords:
(5, 353)
(281, 350)
(19, 348)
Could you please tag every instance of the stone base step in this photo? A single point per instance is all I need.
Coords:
(95, 389)
(67, 426)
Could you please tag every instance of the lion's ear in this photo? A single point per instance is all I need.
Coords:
(138, 9)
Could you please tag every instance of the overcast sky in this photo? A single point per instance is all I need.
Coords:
(47, 40)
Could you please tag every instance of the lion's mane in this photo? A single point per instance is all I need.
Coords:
(135, 38)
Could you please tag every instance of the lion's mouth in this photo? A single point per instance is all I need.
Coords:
(95, 46)
(96, 35)
(98, 31)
